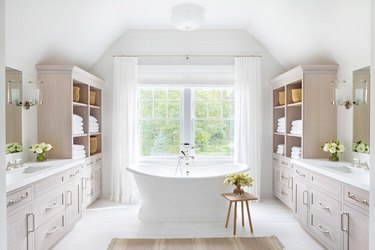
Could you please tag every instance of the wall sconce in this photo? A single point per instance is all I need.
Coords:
(360, 92)
(16, 98)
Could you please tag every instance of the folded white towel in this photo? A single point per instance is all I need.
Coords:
(77, 118)
(281, 119)
(281, 146)
(78, 151)
(295, 147)
(295, 157)
(76, 157)
(77, 124)
(78, 146)
(78, 132)
(94, 125)
(92, 118)
(297, 122)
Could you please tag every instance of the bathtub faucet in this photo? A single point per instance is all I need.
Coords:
(186, 154)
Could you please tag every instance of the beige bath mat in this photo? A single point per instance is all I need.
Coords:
(236, 243)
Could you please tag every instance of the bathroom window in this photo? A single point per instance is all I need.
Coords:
(201, 116)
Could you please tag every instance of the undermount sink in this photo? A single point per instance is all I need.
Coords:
(33, 169)
(342, 169)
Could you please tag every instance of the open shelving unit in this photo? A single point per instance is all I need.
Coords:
(55, 116)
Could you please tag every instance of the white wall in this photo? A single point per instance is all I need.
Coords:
(345, 116)
(2, 130)
(372, 134)
(197, 42)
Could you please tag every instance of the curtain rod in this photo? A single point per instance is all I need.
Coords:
(187, 56)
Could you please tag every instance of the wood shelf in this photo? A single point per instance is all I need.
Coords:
(96, 133)
(279, 107)
(295, 135)
(80, 135)
(296, 104)
(95, 107)
(279, 133)
(79, 104)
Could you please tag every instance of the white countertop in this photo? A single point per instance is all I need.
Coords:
(354, 176)
(18, 178)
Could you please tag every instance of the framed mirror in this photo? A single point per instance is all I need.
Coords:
(13, 90)
(361, 110)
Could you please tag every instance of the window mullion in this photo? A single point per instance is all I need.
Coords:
(186, 116)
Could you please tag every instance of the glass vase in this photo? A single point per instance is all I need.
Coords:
(238, 191)
(333, 157)
(41, 157)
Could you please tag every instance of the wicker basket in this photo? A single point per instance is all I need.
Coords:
(93, 144)
(76, 93)
(296, 95)
(92, 97)
(282, 98)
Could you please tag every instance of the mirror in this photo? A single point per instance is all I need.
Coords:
(13, 90)
(361, 110)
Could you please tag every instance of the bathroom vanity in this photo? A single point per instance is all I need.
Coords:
(45, 200)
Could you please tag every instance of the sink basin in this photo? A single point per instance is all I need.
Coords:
(342, 169)
(33, 169)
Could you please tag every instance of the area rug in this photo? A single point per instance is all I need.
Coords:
(235, 243)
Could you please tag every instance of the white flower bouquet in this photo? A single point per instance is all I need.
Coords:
(13, 148)
(361, 147)
(333, 147)
(40, 150)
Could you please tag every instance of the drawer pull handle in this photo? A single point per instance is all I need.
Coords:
(290, 182)
(55, 204)
(283, 193)
(323, 231)
(283, 177)
(12, 202)
(323, 207)
(353, 197)
(72, 175)
(55, 228)
(303, 197)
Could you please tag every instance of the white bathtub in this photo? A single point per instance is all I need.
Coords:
(193, 198)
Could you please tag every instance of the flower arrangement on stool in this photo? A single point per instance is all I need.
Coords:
(334, 147)
(40, 151)
(239, 180)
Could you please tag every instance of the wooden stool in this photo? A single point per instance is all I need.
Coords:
(245, 198)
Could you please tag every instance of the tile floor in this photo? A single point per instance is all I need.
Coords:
(105, 220)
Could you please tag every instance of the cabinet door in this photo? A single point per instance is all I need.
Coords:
(73, 202)
(301, 197)
(98, 180)
(276, 181)
(19, 225)
(357, 224)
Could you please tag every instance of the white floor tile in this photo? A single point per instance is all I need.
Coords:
(105, 220)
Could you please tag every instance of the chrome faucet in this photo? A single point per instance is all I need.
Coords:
(18, 163)
(186, 154)
(358, 164)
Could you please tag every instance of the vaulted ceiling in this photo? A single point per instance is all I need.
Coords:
(294, 31)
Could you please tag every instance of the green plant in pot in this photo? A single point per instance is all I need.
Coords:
(239, 180)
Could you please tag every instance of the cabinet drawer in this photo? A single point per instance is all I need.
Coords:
(49, 205)
(48, 234)
(325, 230)
(276, 159)
(286, 195)
(286, 176)
(356, 196)
(48, 184)
(326, 185)
(74, 173)
(325, 206)
(276, 181)
(18, 198)
(300, 173)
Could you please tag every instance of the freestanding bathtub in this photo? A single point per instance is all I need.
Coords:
(196, 197)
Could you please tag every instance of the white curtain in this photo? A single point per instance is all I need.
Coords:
(248, 117)
(124, 129)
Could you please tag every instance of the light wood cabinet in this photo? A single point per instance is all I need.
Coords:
(301, 197)
(56, 114)
(355, 227)
(20, 225)
(73, 203)
(92, 181)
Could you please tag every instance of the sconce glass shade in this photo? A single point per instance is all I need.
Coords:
(35, 96)
(359, 92)
(15, 93)
(187, 17)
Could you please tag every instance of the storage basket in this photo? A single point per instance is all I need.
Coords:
(93, 144)
(282, 98)
(92, 97)
(76, 93)
(296, 95)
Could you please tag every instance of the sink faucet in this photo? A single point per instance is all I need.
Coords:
(358, 164)
(186, 154)
(18, 163)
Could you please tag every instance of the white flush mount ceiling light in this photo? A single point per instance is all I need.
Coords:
(187, 17)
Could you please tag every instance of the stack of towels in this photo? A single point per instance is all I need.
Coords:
(281, 125)
(296, 153)
(94, 125)
(78, 151)
(77, 125)
(280, 149)
(296, 127)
